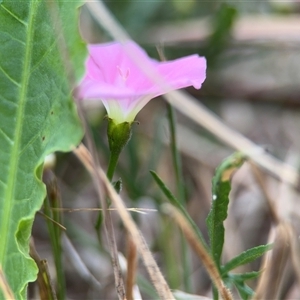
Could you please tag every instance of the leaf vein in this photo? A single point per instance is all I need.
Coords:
(10, 78)
(14, 16)
(28, 144)
(6, 137)
(43, 57)
(14, 38)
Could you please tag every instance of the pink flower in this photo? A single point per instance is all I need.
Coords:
(115, 78)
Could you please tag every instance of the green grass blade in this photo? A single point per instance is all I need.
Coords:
(177, 204)
(245, 257)
(37, 117)
(186, 262)
(176, 155)
(221, 187)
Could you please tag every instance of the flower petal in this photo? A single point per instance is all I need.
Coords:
(116, 71)
(184, 72)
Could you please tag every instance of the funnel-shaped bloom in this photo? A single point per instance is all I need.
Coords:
(115, 74)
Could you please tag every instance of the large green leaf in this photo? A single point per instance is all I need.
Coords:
(37, 117)
(220, 190)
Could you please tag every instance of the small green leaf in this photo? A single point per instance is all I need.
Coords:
(246, 257)
(177, 204)
(244, 276)
(244, 290)
(37, 117)
(220, 190)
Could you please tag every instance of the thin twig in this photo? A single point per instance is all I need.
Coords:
(51, 220)
(132, 209)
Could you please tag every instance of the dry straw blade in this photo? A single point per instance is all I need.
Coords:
(275, 262)
(200, 250)
(131, 267)
(156, 276)
(44, 281)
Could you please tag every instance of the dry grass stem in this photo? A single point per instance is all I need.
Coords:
(131, 267)
(119, 282)
(270, 282)
(53, 221)
(99, 11)
(4, 286)
(90, 161)
(295, 252)
(157, 278)
(132, 209)
(199, 249)
(46, 289)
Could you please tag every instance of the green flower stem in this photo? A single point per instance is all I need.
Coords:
(118, 136)
(113, 161)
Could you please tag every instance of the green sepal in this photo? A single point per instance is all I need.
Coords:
(118, 135)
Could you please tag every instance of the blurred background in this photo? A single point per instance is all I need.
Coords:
(253, 75)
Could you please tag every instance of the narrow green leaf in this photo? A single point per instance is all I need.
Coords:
(177, 204)
(37, 117)
(176, 155)
(244, 290)
(244, 276)
(246, 257)
(221, 187)
(177, 165)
